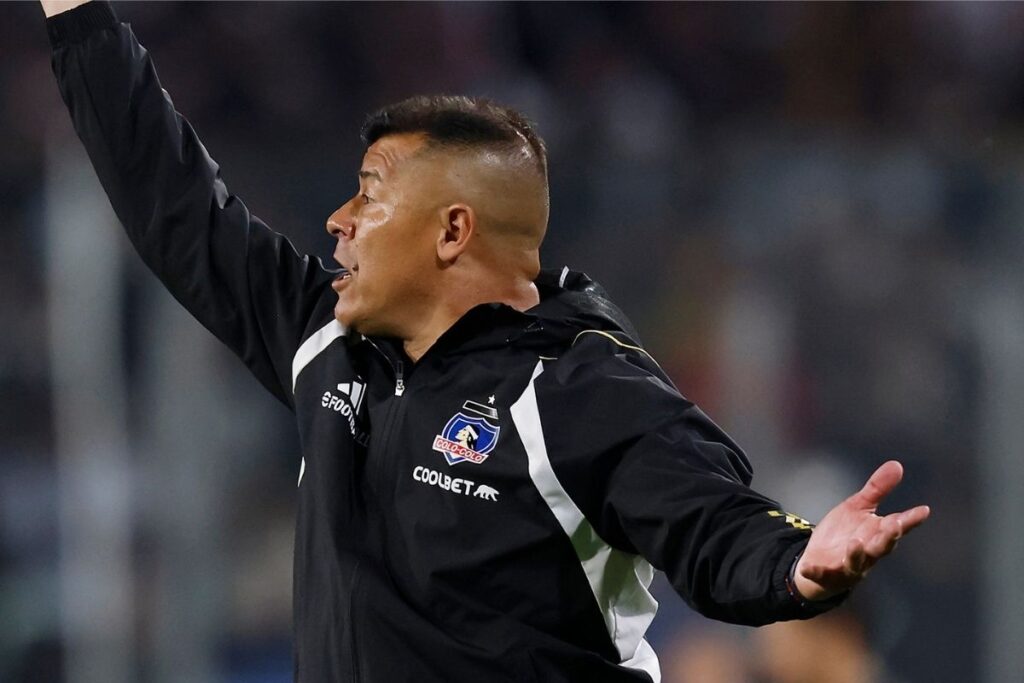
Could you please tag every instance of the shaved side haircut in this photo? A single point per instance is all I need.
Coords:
(460, 122)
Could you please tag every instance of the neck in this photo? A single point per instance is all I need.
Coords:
(519, 293)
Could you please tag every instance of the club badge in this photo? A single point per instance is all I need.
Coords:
(470, 435)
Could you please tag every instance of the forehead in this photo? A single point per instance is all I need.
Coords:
(390, 151)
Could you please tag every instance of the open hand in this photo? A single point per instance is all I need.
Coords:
(852, 538)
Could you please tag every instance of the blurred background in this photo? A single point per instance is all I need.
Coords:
(813, 213)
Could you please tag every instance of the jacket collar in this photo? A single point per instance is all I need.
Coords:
(569, 302)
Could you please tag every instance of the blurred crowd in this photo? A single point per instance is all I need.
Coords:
(796, 204)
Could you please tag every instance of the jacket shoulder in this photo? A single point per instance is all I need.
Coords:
(606, 354)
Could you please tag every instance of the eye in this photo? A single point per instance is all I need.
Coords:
(367, 199)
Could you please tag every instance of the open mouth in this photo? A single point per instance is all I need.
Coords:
(345, 275)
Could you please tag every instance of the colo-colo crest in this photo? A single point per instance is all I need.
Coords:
(470, 435)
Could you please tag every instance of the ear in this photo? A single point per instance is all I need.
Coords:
(458, 225)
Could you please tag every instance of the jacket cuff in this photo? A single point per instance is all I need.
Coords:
(796, 606)
(77, 24)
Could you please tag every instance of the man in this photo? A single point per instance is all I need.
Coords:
(525, 552)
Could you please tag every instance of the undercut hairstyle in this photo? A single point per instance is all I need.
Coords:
(459, 121)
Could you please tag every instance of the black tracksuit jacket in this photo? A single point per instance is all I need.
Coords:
(494, 512)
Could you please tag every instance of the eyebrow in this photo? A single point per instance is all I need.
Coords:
(370, 174)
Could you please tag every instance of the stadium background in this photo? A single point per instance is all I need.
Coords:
(812, 213)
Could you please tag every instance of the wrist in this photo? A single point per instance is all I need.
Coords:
(810, 596)
(79, 23)
(54, 7)
(793, 583)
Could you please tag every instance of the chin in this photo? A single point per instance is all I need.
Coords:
(357, 321)
(344, 315)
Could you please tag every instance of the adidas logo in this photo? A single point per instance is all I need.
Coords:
(346, 402)
(355, 393)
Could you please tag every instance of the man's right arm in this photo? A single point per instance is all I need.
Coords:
(242, 281)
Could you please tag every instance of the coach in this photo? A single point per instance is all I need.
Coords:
(493, 467)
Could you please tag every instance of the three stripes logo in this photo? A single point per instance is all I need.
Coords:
(355, 392)
(347, 403)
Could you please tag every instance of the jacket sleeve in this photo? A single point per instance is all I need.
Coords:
(242, 281)
(654, 476)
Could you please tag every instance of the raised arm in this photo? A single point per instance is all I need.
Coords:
(242, 281)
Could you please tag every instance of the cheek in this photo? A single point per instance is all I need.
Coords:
(376, 214)
(372, 241)
(397, 252)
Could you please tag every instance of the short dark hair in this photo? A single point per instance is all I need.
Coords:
(457, 121)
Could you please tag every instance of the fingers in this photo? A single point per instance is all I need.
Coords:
(890, 530)
(856, 558)
(914, 517)
(871, 541)
(852, 538)
(879, 485)
(856, 561)
(811, 571)
(815, 571)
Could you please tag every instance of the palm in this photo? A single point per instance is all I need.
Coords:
(852, 538)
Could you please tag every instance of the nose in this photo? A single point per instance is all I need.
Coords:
(340, 223)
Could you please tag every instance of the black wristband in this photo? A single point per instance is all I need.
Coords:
(75, 25)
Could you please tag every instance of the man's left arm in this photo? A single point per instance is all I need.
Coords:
(656, 477)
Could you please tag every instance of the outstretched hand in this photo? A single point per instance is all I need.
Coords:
(852, 538)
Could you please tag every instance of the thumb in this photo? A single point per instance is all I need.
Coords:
(879, 485)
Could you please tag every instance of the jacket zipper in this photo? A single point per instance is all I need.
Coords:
(397, 367)
(375, 474)
(399, 379)
(396, 408)
(377, 464)
(353, 619)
